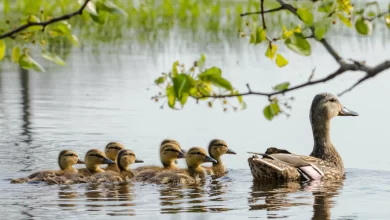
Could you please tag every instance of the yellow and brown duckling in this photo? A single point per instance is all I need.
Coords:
(170, 151)
(66, 160)
(217, 148)
(124, 159)
(324, 162)
(93, 159)
(195, 157)
(111, 151)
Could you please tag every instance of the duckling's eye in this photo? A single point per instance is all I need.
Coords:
(173, 150)
(115, 147)
(332, 100)
(70, 155)
(96, 155)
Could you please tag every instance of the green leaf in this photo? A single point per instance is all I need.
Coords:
(363, 27)
(182, 84)
(96, 19)
(271, 51)
(387, 20)
(260, 35)
(298, 44)
(306, 16)
(268, 113)
(15, 54)
(321, 27)
(280, 60)
(90, 8)
(33, 19)
(160, 80)
(6, 6)
(61, 28)
(281, 86)
(326, 6)
(271, 110)
(53, 58)
(174, 68)
(110, 7)
(170, 91)
(221, 82)
(213, 72)
(201, 62)
(26, 62)
(74, 40)
(2, 49)
(345, 20)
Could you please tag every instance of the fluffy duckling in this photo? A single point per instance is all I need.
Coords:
(194, 158)
(94, 158)
(111, 151)
(124, 159)
(66, 160)
(217, 148)
(170, 151)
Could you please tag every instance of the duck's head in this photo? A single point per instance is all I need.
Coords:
(196, 156)
(218, 148)
(170, 151)
(125, 158)
(327, 106)
(95, 157)
(67, 158)
(111, 150)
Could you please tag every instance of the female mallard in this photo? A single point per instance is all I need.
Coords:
(66, 160)
(111, 151)
(170, 151)
(194, 158)
(217, 148)
(324, 161)
(93, 159)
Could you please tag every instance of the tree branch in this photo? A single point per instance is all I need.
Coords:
(44, 24)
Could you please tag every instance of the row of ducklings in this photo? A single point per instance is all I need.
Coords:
(119, 159)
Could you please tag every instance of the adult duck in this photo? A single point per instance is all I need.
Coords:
(324, 161)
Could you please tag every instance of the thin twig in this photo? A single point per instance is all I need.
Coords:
(262, 13)
(45, 23)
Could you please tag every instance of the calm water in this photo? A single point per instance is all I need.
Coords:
(105, 97)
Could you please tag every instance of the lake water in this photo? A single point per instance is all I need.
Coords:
(98, 98)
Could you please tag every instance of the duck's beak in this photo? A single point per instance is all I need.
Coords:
(80, 161)
(182, 154)
(209, 159)
(230, 151)
(346, 112)
(108, 161)
(138, 160)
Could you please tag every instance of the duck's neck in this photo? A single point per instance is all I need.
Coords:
(219, 165)
(196, 171)
(112, 166)
(94, 168)
(170, 165)
(323, 147)
(69, 169)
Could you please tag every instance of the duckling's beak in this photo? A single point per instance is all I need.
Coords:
(138, 160)
(108, 161)
(346, 112)
(209, 159)
(182, 154)
(80, 161)
(230, 151)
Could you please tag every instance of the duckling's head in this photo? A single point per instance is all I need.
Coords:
(67, 158)
(112, 150)
(165, 141)
(96, 157)
(196, 156)
(219, 147)
(326, 106)
(170, 151)
(125, 158)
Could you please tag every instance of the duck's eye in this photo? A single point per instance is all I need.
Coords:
(219, 145)
(332, 100)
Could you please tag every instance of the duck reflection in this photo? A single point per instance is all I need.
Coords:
(274, 196)
(171, 198)
(107, 195)
(67, 197)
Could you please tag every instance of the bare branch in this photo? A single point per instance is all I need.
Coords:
(44, 24)
(262, 13)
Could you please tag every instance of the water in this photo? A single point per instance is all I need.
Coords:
(104, 97)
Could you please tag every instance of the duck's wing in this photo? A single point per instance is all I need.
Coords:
(283, 166)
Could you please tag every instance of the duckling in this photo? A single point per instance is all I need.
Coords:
(170, 151)
(124, 159)
(324, 162)
(111, 151)
(94, 158)
(66, 160)
(217, 148)
(194, 158)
